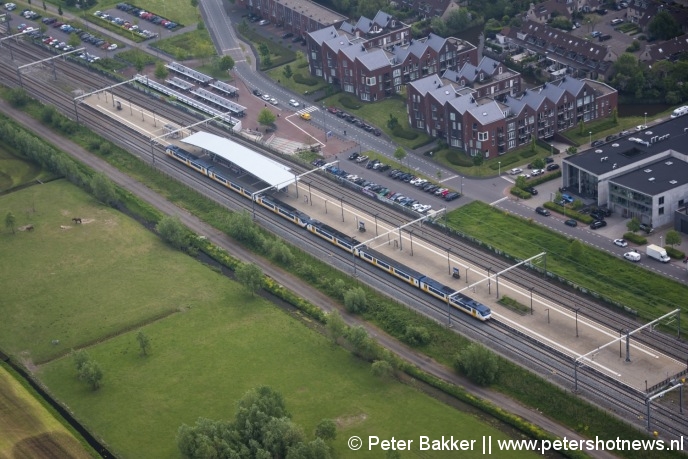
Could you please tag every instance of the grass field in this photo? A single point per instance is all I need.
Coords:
(80, 284)
(29, 430)
(89, 283)
(650, 294)
(15, 171)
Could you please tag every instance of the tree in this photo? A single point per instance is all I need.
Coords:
(392, 122)
(416, 335)
(287, 72)
(576, 250)
(673, 238)
(226, 63)
(161, 71)
(266, 117)
(139, 61)
(355, 300)
(144, 342)
(633, 225)
(10, 221)
(521, 182)
(80, 358)
(663, 26)
(399, 154)
(539, 163)
(250, 276)
(73, 40)
(439, 26)
(382, 369)
(59, 10)
(478, 363)
(172, 231)
(326, 429)
(194, 3)
(91, 373)
(103, 189)
(242, 228)
(458, 19)
(362, 343)
(336, 327)
(45, 7)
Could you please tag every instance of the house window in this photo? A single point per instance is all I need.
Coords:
(483, 136)
(512, 144)
(371, 81)
(345, 64)
(661, 200)
(661, 211)
(500, 69)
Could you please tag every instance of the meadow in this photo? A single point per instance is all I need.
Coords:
(15, 171)
(650, 294)
(99, 283)
(29, 429)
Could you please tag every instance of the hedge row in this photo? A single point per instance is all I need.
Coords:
(349, 102)
(675, 253)
(635, 238)
(399, 131)
(305, 80)
(587, 219)
(518, 192)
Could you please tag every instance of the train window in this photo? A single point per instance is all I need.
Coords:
(234, 186)
(366, 256)
(402, 274)
(344, 244)
(383, 264)
(435, 291)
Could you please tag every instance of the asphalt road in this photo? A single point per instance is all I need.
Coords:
(286, 279)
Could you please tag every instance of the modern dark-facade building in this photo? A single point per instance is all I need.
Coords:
(494, 124)
(375, 58)
(643, 175)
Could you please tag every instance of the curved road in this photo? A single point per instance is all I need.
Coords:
(292, 283)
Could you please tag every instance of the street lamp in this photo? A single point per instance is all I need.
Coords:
(645, 124)
(590, 133)
(531, 299)
(499, 163)
(660, 240)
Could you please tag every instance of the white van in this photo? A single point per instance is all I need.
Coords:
(680, 111)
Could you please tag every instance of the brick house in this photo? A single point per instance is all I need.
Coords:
(483, 125)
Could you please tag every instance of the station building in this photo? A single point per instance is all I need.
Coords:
(643, 174)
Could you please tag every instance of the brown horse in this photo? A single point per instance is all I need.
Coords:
(76, 220)
(29, 228)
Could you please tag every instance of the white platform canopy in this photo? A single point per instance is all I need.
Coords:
(271, 172)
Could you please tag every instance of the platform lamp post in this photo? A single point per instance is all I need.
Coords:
(448, 264)
(547, 314)
(310, 197)
(489, 281)
(411, 236)
(577, 309)
(341, 204)
(531, 300)
(376, 224)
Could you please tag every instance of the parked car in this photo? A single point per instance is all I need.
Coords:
(287, 35)
(645, 227)
(620, 242)
(549, 160)
(353, 156)
(256, 92)
(597, 143)
(552, 167)
(515, 171)
(306, 116)
(531, 190)
(263, 22)
(568, 198)
(542, 211)
(266, 97)
(571, 222)
(598, 224)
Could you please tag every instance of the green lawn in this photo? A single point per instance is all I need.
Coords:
(603, 128)
(650, 294)
(15, 171)
(179, 11)
(80, 284)
(190, 45)
(277, 73)
(93, 283)
(204, 360)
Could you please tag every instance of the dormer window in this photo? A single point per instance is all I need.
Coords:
(481, 76)
(500, 69)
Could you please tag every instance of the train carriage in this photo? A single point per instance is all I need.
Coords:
(330, 234)
(470, 306)
(391, 266)
(283, 210)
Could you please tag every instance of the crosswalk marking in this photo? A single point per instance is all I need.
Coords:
(310, 109)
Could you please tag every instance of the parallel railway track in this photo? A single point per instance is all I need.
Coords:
(554, 366)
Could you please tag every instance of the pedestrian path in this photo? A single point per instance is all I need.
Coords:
(309, 109)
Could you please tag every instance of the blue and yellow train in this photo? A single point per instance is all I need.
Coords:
(430, 286)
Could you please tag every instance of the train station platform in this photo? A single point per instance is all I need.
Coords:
(551, 324)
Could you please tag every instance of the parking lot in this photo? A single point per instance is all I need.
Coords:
(618, 41)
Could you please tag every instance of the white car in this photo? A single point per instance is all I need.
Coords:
(294, 103)
(29, 29)
(640, 127)
(10, 6)
(632, 256)
(537, 172)
(525, 175)
(515, 171)
(620, 242)
(267, 97)
(273, 101)
(112, 47)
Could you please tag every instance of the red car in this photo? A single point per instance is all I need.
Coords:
(333, 110)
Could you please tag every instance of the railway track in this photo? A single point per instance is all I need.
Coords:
(558, 368)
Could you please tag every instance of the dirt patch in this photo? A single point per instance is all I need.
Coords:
(86, 221)
(50, 444)
(349, 421)
(64, 227)
(26, 228)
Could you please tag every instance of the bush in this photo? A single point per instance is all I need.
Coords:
(416, 335)
(587, 219)
(675, 253)
(306, 80)
(458, 159)
(505, 161)
(528, 153)
(544, 178)
(349, 102)
(398, 131)
(523, 194)
(635, 238)
(480, 364)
